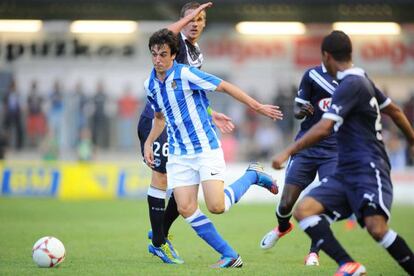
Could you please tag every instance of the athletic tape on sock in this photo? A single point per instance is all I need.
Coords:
(157, 193)
(388, 238)
(196, 214)
(309, 222)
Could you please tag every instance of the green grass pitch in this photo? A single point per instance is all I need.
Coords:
(109, 238)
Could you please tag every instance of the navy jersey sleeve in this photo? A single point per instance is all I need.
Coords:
(383, 101)
(344, 100)
(305, 88)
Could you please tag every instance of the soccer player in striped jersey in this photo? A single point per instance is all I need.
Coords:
(313, 100)
(178, 94)
(189, 29)
(361, 183)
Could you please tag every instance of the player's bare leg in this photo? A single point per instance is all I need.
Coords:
(396, 246)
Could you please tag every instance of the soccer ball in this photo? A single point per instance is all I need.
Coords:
(48, 252)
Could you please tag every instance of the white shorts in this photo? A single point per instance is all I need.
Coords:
(186, 170)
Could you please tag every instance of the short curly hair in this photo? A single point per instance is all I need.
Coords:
(339, 45)
(164, 36)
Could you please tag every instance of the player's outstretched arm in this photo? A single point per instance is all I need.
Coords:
(270, 111)
(318, 132)
(178, 25)
(156, 130)
(399, 118)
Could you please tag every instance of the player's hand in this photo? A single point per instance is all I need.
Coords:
(271, 111)
(223, 122)
(205, 6)
(202, 7)
(307, 109)
(148, 155)
(279, 159)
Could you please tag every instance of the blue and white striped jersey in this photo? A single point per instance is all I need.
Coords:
(183, 101)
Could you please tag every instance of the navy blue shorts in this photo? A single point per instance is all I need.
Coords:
(160, 147)
(301, 170)
(345, 193)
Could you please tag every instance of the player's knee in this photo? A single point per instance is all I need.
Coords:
(187, 210)
(307, 207)
(216, 208)
(376, 229)
(285, 207)
(299, 213)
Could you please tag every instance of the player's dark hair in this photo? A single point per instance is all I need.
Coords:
(189, 6)
(339, 45)
(164, 36)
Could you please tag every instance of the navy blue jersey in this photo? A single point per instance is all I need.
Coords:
(317, 88)
(188, 54)
(356, 108)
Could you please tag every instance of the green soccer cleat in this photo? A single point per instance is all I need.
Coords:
(164, 253)
(174, 252)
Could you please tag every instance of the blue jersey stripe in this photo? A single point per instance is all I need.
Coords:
(176, 134)
(179, 94)
(208, 128)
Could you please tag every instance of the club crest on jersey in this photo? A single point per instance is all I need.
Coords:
(173, 85)
(324, 104)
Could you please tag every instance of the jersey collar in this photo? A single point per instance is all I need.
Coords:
(185, 38)
(351, 71)
(154, 73)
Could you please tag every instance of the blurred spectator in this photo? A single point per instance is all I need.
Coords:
(49, 147)
(75, 114)
(285, 100)
(85, 146)
(230, 147)
(3, 144)
(13, 116)
(127, 113)
(35, 121)
(395, 148)
(99, 120)
(55, 115)
(267, 137)
(6, 79)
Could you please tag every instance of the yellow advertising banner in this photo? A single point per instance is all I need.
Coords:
(72, 180)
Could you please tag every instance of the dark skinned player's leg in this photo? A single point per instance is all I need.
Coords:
(396, 246)
(289, 197)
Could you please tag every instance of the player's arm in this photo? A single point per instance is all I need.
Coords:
(317, 133)
(178, 25)
(302, 110)
(302, 107)
(270, 111)
(399, 118)
(156, 130)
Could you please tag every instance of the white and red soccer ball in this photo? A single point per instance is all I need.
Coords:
(48, 252)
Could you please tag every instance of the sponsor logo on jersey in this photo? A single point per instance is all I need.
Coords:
(324, 104)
